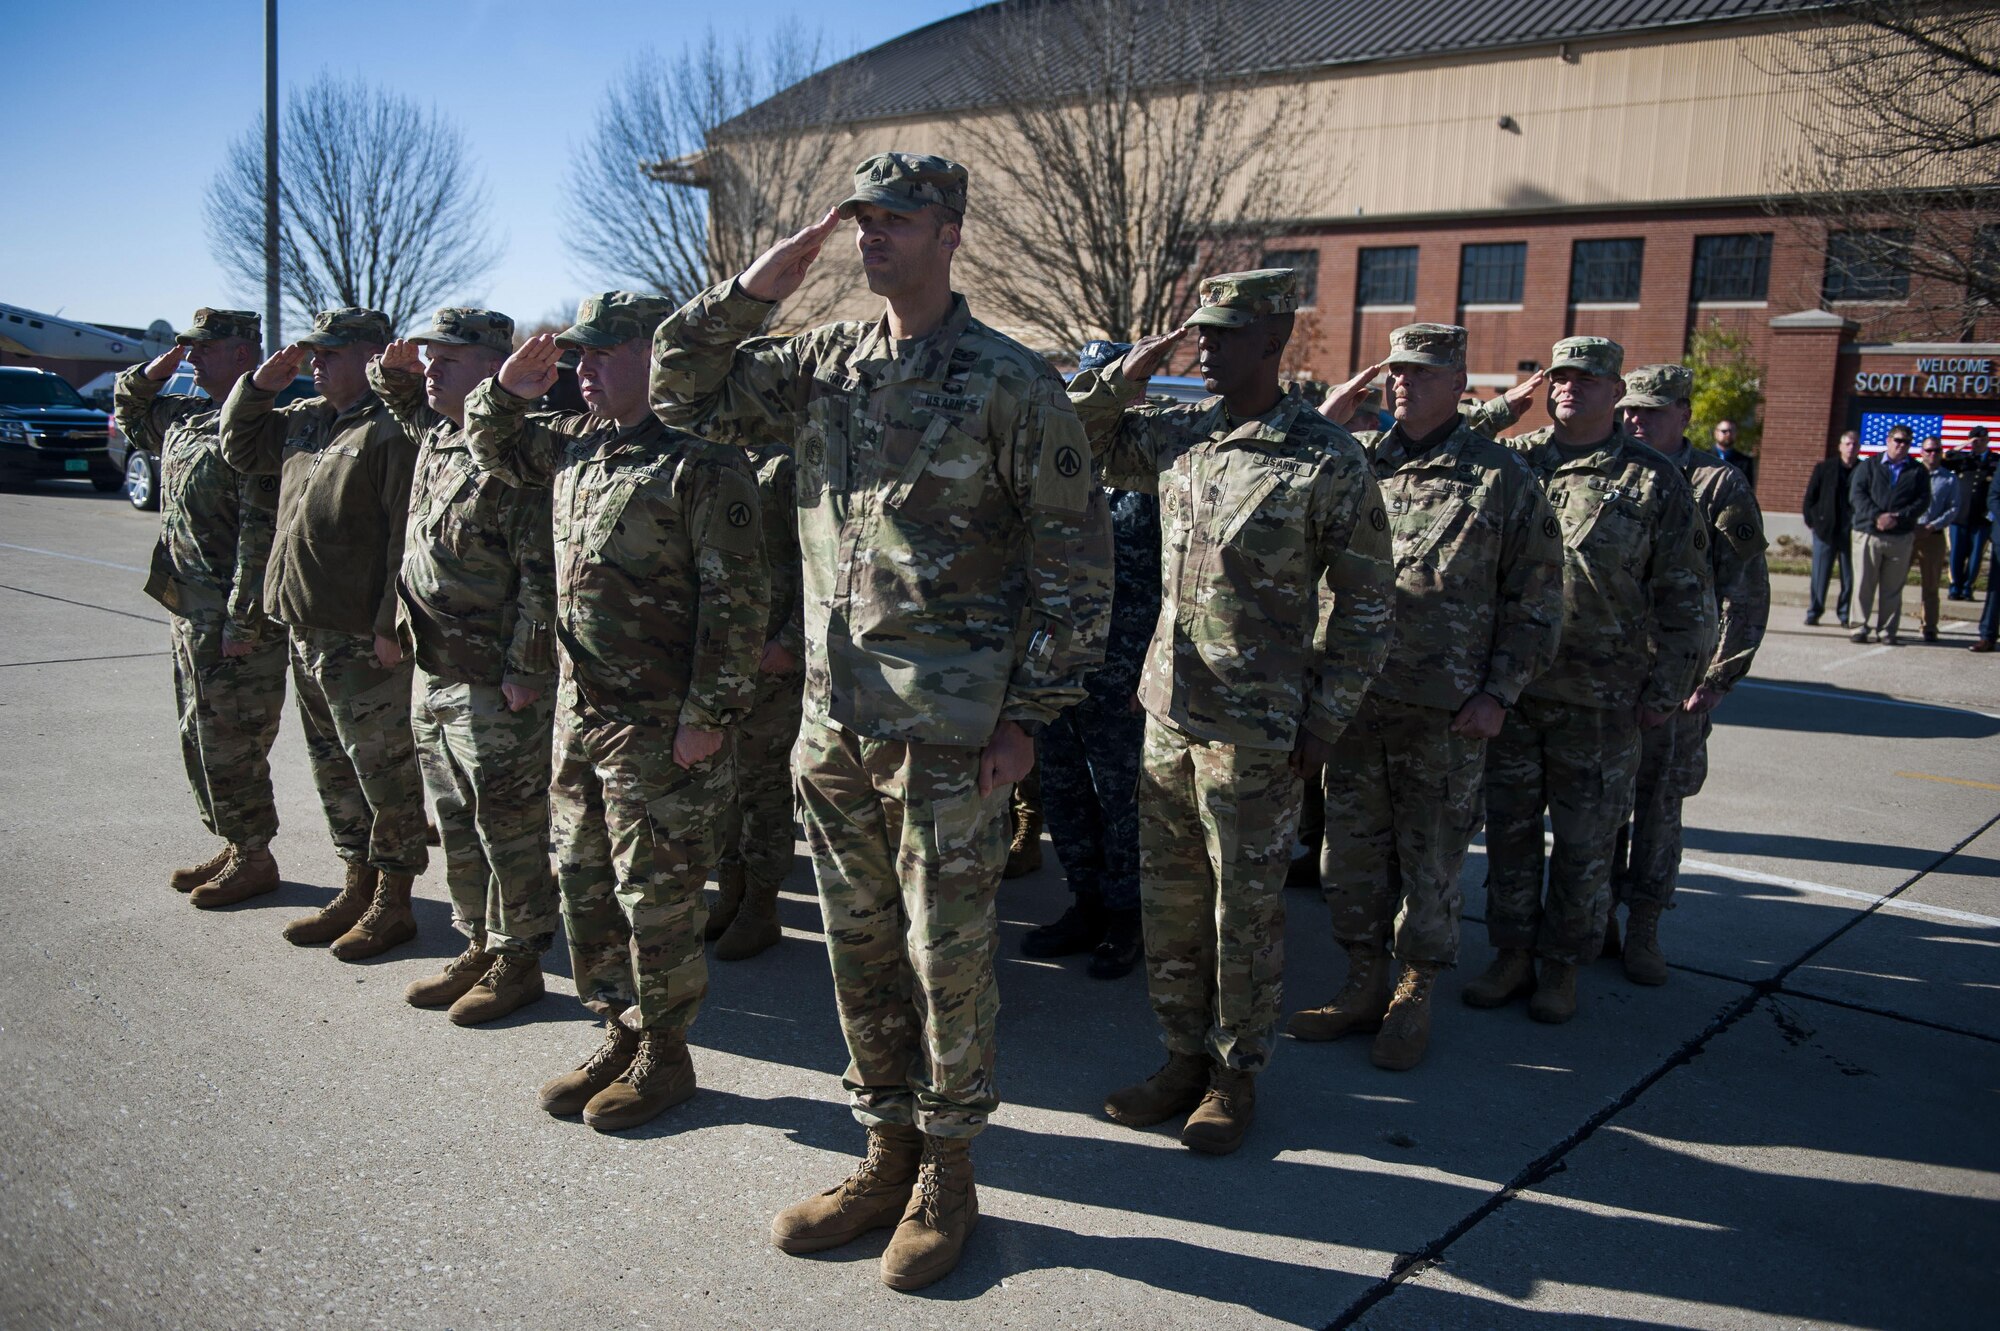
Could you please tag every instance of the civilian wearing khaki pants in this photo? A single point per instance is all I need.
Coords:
(1885, 567)
(1930, 553)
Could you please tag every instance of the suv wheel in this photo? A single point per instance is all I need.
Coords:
(142, 480)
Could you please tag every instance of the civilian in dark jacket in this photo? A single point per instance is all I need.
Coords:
(1969, 533)
(1725, 448)
(1889, 494)
(1829, 514)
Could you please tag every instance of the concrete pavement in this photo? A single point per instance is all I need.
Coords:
(203, 1126)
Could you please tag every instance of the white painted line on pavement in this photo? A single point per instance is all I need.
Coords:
(57, 554)
(1858, 656)
(1844, 893)
(1834, 695)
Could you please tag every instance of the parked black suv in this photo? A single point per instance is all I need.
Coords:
(47, 431)
(140, 469)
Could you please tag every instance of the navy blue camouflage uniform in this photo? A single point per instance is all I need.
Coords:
(1090, 754)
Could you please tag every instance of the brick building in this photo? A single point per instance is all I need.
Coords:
(1530, 171)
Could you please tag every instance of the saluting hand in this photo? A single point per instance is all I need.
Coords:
(1148, 354)
(402, 357)
(1522, 395)
(531, 370)
(1339, 404)
(282, 367)
(780, 269)
(161, 367)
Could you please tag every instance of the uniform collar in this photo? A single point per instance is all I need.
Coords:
(929, 361)
(1401, 453)
(1602, 458)
(1270, 428)
(366, 406)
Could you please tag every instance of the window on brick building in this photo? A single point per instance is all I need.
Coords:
(1866, 265)
(1305, 263)
(1605, 272)
(1986, 257)
(1387, 276)
(1732, 267)
(1492, 274)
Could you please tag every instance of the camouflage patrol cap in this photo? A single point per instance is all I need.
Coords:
(613, 319)
(1593, 355)
(1237, 300)
(213, 325)
(1427, 344)
(337, 328)
(1657, 386)
(906, 183)
(457, 327)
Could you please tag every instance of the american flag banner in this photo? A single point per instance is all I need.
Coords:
(1954, 427)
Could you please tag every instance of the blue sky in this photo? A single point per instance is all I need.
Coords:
(118, 115)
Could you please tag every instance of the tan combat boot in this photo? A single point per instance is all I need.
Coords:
(1357, 1007)
(1172, 1091)
(1406, 1029)
(388, 922)
(249, 873)
(661, 1075)
(755, 927)
(569, 1093)
(941, 1215)
(1555, 994)
(339, 915)
(1644, 962)
(450, 984)
(513, 982)
(1219, 1122)
(728, 897)
(187, 880)
(872, 1197)
(1024, 850)
(1511, 974)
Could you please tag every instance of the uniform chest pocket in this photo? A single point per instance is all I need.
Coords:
(1446, 525)
(631, 525)
(456, 518)
(1611, 525)
(947, 469)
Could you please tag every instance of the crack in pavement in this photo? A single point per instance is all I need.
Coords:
(46, 596)
(78, 660)
(1555, 1160)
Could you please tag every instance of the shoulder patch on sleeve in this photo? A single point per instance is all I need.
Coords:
(1551, 528)
(1377, 518)
(734, 508)
(1062, 472)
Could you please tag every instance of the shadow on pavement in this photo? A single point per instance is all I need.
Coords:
(1774, 710)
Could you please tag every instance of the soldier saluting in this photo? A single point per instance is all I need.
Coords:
(1275, 615)
(661, 602)
(1479, 605)
(957, 583)
(1637, 619)
(208, 570)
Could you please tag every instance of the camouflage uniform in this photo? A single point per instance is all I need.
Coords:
(1275, 617)
(754, 833)
(956, 574)
(477, 609)
(1479, 606)
(343, 499)
(1673, 758)
(1637, 621)
(661, 605)
(208, 571)
(1090, 755)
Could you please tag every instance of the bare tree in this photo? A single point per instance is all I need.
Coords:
(678, 189)
(1122, 149)
(378, 205)
(1902, 167)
